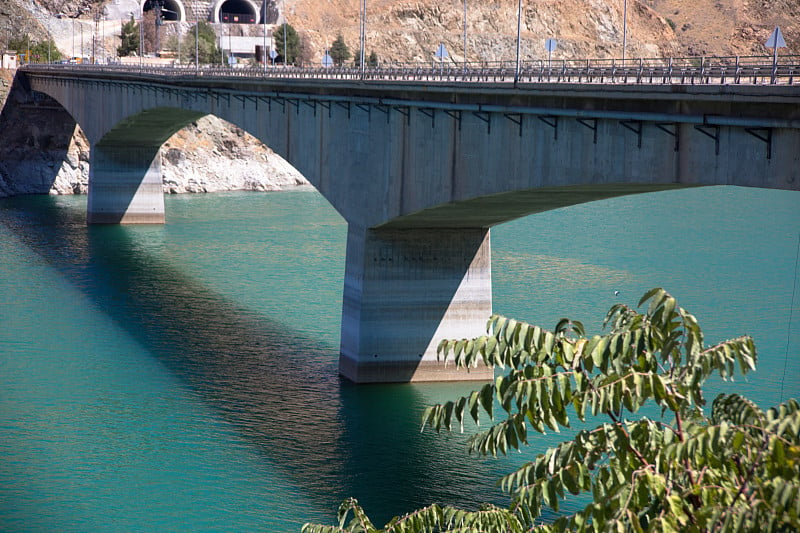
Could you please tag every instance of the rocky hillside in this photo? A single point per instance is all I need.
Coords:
(410, 30)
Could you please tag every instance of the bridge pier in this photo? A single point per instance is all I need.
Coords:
(404, 291)
(125, 185)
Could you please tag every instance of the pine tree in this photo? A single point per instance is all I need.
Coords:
(207, 48)
(339, 51)
(130, 38)
(288, 45)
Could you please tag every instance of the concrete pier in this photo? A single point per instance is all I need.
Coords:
(125, 185)
(404, 291)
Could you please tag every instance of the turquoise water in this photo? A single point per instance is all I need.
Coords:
(183, 377)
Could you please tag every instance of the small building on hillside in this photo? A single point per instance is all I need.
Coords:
(9, 60)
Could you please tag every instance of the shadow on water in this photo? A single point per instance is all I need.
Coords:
(279, 389)
(35, 134)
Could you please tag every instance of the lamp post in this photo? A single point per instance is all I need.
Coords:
(363, 35)
(141, 39)
(624, 28)
(465, 36)
(519, 35)
(94, 36)
(264, 26)
(196, 44)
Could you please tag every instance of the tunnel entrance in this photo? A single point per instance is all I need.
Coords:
(237, 12)
(170, 10)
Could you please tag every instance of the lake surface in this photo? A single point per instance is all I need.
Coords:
(184, 377)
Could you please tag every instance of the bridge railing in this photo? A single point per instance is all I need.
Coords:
(670, 71)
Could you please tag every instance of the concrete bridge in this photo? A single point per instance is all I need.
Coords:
(422, 171)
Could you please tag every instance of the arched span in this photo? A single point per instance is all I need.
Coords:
(491, 210)
(171, 10)
(149, 127)
(236, 12)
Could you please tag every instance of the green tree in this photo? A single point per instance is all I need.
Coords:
(129, 36)
(372, 60)
(208, 50)
(737, 469)
(288, 44)
(38, 51)
(339, 51)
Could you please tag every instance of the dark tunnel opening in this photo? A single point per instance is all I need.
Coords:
(170, 9)
(238, 12)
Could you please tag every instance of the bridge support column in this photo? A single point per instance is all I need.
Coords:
(404, 291)
(125, 185)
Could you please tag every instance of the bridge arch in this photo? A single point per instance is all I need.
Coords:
(236, 12)
(171, 10)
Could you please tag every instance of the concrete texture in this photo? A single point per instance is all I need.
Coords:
(125, 185)
(404, 291)
(421, 171)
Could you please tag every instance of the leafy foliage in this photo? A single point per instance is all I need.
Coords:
(339, 51)
(371, 60)
(737, 469)
(129, 36)
(287, 43)
(206, 48)
(33, 51)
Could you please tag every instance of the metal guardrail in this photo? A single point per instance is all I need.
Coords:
(746, 70)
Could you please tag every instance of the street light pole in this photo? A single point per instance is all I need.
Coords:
(94, 37)
(465, 36)
(141, 39)
(363, 36)
(264, 25)
(519, 35)
(624, 28)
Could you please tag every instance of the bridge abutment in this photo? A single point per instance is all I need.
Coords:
(125, 185)
(404, 291)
